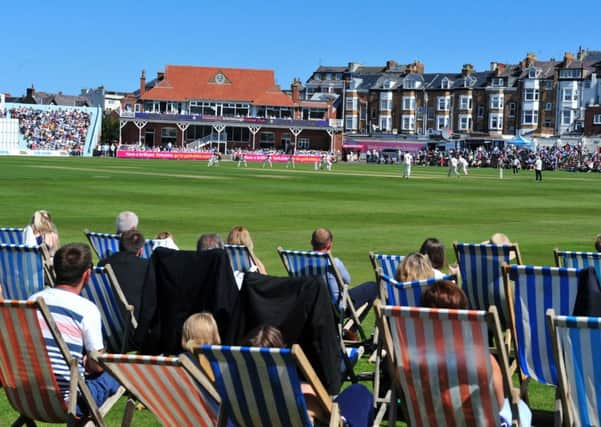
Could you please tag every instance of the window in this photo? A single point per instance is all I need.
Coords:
(497, 82)
(547, 123)
(385, 123)
(548, 84)
(410, 84)
(267, 139)
(532, 73)
(496, 101)
(569, 94)
(349, 122)
(168, 135)
(480, 113)
(445, 84)
(511, 109)
(351, 103)
(408, 102)
(531, 94)
(597, 119)
(530, 117)
(465, 102)
(385, 104)
(569, 73)
(442, 122)
(430, 113)
(408, 122)
(465, 121)
(548, 106)
(304, 143)
(495, 121)
(566, 117)
(443, 103)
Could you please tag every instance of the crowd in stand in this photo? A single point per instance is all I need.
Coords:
(52, 129)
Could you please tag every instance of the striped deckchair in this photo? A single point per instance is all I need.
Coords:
(535, 290)
(442, 365)
(117, 316)
(576, 341)
(261, 386)
(174, 389)
(106, 244)
(313, 263)
(395, 293)
(11, 236)
(575, 259)
(241, 257)
(481, 276)
(21, 271)
(387, 263)
(26, 372)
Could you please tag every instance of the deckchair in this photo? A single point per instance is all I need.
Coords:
(118, 321)
(387, 263)
(577, 343)
(106, 244)
(439, 359)
(22, 271)
(313, 263)
(481, 276)
(174, 389)
(241, 257)
(26, 372)
(11, 236)
(395, 293)
(536, 289)
(261, 386)
(576, 259)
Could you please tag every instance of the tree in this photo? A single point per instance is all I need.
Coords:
(110, 127)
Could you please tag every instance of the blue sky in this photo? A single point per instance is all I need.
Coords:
(67, 45)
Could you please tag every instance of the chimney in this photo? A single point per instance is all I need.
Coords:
(142, 83)
(530, 59)
(295, 86)
(493, 66)
(419, 68)
(581, 54)
(568, 57)
(467, 70)
(352, 66)
(160, 76)
(500, 69)
(390, 64)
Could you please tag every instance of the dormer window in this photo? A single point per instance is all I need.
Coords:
(497, 82)
(532, 73)
(409, 84)
(387, 84)
(445, 84)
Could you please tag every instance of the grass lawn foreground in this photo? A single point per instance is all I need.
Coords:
(367, 207)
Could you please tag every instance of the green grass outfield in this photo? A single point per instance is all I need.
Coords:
(367, 207)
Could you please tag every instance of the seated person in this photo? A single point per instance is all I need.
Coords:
(363, 294)
(40, 231)
(240, 236)
(165, 240)
(78, 320)
(446, 294)
(598, 243)
(355, 402)
(129, 267)
(125, 221)
(201, 329)
(209, 241)
(435, 251)
(414, 266)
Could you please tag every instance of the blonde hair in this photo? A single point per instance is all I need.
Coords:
(200, 329)
(499, 239)
(41, 222)
(414, 266)
(239, 235)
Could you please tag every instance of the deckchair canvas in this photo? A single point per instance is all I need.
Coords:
(21, 271)
(241, 257)
(578, 259)
(106, 244)
(388, 264)
(11, 236)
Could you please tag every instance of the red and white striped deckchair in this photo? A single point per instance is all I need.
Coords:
(26, 371)
(174, 389)
(441, 363)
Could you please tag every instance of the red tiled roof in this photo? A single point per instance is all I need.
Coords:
(183, 83)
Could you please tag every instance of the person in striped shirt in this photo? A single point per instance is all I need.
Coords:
(78, 321)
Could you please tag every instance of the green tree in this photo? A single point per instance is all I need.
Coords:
(110, 127)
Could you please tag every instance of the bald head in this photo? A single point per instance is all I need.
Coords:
(321, 240)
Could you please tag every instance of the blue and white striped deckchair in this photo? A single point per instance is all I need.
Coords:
(481, 276)
(577, 344)
(11, 236)
(106, 244)
(313, 263)
(174, 389)
(21, 271)
(576, 259)
(535, 290)
(387, 263)
(241, 258)
(442, 365)
(116, 314)
(406, 293)
(261, 386)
